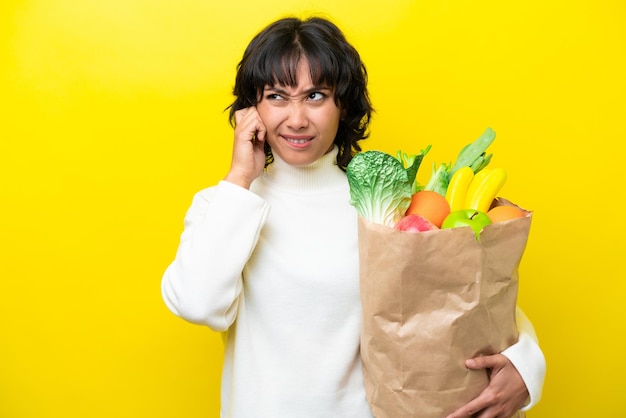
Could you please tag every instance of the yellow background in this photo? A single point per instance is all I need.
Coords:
(113, 116)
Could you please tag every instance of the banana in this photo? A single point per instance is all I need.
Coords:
(457, 188)
(485, 190)
(478, 178)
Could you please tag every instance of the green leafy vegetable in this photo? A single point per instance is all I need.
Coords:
(440, 179)
(380, 185)
(408, 161)
(472, 155)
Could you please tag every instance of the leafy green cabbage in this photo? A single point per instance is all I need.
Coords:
(380, 186)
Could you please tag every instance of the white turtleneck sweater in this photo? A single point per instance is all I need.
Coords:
(277, 266)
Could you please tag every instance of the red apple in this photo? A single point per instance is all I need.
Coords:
(415, 223)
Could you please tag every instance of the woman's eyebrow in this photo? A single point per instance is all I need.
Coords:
(275, 89)
(282, 91)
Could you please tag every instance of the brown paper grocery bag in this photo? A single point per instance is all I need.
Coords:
(430, 301)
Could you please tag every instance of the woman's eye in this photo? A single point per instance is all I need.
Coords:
(274, 96)
(316, 96)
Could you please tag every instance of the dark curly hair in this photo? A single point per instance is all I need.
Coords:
(272, 58)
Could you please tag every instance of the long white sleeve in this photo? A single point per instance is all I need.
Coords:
(528, 359)
(222, 226)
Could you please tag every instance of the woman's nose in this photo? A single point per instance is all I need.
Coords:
(297, 118)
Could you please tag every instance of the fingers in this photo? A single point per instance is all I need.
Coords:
(468, 410)
(241, 113)
(486, 362)
(248, 159)
(486, 405)
(505, 394)
(248, 124)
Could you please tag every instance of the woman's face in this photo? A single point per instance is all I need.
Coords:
(301, 121)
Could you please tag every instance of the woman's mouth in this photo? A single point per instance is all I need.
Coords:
(298, 140)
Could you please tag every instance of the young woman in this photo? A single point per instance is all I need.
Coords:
(270, 253)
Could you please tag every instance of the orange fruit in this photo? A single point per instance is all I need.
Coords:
(504, 213)
(431, 205)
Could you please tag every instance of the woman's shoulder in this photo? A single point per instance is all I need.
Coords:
(225, 190)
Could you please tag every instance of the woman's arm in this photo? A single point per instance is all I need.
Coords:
(528, 358)
(222, 226)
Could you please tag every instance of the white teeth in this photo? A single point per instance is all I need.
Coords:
(297, 141)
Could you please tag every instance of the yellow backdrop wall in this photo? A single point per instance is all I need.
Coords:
(113, 116)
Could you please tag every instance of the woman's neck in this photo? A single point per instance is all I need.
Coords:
(318, 176)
